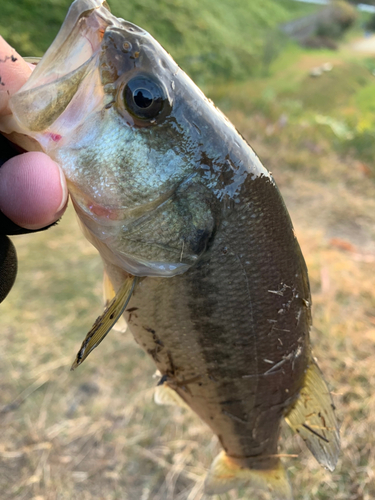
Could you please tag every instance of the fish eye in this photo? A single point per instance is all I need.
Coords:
(144, 98)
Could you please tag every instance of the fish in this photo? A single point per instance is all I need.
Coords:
(199, 250)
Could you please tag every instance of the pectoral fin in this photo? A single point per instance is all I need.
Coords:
(313, 418)
(106, 321)
(226, 474)
(108, 295)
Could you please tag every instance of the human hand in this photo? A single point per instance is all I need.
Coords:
(33, 192)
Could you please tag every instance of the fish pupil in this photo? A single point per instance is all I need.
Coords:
(142, 98)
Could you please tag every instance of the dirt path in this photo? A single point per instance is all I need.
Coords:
(364, 45)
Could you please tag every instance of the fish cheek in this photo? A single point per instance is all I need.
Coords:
(178, 232)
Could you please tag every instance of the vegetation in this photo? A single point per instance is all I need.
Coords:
(370, 24)
(210, 39)
(368, 2)
(339, 17)
(96, 433)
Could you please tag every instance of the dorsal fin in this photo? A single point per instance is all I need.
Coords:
(313, 418)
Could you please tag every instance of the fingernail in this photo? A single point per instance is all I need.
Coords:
(64, 192)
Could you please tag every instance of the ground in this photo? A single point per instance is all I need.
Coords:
(365, 45)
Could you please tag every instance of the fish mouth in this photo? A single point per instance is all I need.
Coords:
(61, 74)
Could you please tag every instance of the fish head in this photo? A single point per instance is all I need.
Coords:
(139, 143)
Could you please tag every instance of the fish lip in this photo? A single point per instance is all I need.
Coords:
(79, 10)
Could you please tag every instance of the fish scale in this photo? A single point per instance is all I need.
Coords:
(214, 327)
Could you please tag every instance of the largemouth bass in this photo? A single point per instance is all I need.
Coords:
(197, 244)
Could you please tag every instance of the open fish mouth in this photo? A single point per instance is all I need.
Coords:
(59, 81)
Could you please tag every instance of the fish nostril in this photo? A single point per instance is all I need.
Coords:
(127, 46)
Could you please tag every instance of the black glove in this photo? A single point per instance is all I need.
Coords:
(8, 256)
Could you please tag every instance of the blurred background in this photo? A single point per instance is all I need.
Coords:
(298, 80)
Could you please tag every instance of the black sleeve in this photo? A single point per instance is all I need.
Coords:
(8, 256)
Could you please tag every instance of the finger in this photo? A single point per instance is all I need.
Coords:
(14, 72)
(33, 191)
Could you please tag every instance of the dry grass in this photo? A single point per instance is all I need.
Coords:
(96, 434)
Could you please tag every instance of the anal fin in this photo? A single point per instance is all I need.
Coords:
(165, 395)
(313, 418)
(226, 474)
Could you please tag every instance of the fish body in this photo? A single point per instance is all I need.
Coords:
(169, 192)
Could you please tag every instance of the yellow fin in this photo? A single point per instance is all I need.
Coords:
(313, 418)
(165, 395)
(104, 323)
(108, 294)
(226, 474)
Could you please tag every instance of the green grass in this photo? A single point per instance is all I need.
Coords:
(337, 106)
(211, 39)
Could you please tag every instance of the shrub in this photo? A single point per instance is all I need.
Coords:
(370, 25)
(336, 19)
